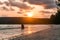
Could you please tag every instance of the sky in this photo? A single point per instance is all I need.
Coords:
(20, 8)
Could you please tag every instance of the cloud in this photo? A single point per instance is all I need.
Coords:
(1, 3)
(19, 4)
(7, 3)
(14, 3)
(48, 3)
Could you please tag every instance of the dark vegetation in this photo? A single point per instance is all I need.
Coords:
(55, 19)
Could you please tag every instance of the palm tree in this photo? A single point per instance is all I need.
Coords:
(56, 18)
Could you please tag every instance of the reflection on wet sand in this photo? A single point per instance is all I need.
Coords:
(12, 31)
(48, 34)
(29, 30)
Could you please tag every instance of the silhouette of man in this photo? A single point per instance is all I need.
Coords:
(22, 26)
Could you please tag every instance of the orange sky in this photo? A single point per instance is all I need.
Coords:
(38, 11)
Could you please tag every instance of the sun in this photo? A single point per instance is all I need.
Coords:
(29, 14)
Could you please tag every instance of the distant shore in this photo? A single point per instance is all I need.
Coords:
(24, 20)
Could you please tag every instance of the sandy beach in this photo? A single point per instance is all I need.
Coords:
(52, 33)
(31, 32)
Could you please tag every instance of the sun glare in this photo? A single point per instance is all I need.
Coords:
(29, 14)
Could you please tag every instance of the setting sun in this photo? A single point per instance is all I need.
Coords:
(29, 14)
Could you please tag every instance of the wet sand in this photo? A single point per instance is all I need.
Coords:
(13, 31)
(52, 33)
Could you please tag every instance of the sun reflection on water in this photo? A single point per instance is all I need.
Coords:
(29, 30)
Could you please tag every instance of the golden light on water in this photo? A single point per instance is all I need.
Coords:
(29, 30)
